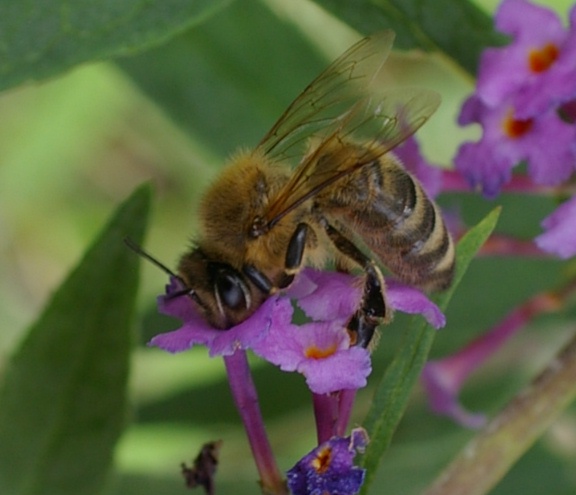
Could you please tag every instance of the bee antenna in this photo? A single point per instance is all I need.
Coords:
(187, 291)
(139, 251)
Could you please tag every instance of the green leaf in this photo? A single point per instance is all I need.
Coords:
(63, 399)
(230, 78)
(456, 27)
(42, 39)
(394, 389)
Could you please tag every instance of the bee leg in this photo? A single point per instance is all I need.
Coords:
(373, 309)
(293, 260)
(294, 254)
(371, 313)
(295, 251)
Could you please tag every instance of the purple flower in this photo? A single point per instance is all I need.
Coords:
(536, 70)
(325, 295)
(545, 142)
(329, 468)
(559, 237)
(320, 349)
(443, 378)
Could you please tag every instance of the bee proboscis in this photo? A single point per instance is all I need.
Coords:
(262, 219)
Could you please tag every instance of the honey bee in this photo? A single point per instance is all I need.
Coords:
(263, 219)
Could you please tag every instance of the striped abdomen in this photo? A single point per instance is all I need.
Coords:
(387, 208)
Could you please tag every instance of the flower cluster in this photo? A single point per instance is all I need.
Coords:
(524, 102)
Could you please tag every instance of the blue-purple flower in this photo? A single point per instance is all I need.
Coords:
(320, 348)
(329, 469)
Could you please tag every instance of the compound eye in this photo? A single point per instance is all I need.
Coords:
(231, 291)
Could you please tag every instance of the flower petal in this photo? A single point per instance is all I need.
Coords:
(559, 237)
(325, 295)
(344, 370)
(411, 300)
(507, 141)
(507, 73)
(443, 386)
(321, 352)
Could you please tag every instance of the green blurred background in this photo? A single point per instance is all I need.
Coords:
(72, 148)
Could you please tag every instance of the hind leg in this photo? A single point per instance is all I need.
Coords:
(373, 310)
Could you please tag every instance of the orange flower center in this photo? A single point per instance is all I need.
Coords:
(314, 352)
(322, 461)
(540, 60)
(515, 128)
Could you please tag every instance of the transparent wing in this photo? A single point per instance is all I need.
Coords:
(377, 123)
(337, 89)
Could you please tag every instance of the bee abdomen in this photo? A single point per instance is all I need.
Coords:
(417, 248)
(398, 223)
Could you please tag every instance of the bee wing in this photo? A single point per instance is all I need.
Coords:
(382, 121)
(324, 101)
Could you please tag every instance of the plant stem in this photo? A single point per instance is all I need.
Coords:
(489, 455)
(246, 400)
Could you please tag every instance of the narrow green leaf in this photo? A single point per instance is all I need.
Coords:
(63, 398)
(456, 27)
(42, 39)
(394, 389)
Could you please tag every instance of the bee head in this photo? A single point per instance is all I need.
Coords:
(221, 292)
